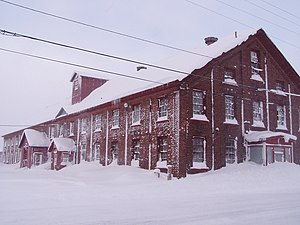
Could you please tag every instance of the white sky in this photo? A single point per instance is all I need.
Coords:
(29, 86)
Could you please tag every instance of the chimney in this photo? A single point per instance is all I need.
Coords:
(210, 40)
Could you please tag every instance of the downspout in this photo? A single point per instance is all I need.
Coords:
(267, 95)
(126, 135)
(77, 142)
(290, 108)
(150, 130)
(106, 140)
(91, 140)
(212, 121)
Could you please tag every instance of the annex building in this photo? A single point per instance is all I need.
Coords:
(240, 104)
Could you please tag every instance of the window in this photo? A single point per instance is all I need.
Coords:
(162, 149)
(84, 125)
(162, 107)
(114, 150)
(279, 86)
(71, 128)
(230, 147)
(83, 151)
(136, 113)
(281, 117)
(97, 152)
(229, 107)
(136, 150)
(65, 157)
(257, 111)
(97, 122)
(76, 83)
(198, 150)
(115, 118)
(52, 132)
(255, 70)
(62, 130)
(228, 74)
(198, 108)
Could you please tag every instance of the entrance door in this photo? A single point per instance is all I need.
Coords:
(37, 159)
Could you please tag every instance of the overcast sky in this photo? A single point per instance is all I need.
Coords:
(30, 86)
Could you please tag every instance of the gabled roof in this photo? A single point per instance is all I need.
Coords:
(35, 138)
(63, 145)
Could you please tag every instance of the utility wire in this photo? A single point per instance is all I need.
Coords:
(103, 29)
(283, 10)
(9, 33)
(239, 22)
(256, 16)
(270, 11)
(81, 66)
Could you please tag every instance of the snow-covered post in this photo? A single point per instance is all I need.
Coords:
(264, 154)
(169, 172)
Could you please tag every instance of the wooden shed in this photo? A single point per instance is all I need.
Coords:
(33, 145)
(62, 152)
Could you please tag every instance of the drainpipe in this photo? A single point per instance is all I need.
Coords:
(150, 130)
(212, 121)
(91, 140)
(126, 132)
(267, 95)
(106, 140)
(290, 108)
(77, 142)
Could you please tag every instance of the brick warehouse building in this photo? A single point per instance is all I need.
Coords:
(242, 103)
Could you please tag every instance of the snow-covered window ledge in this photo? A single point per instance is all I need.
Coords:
(199, 165)
(230, 82)
(115, 127)
(200, 117)
(161, 164)
(257, 77)
(278, 92)
(71, 135)
(258, 124)
(136, 124)
(97, 130)
(162, 119)
(231, 121)
(281, 127)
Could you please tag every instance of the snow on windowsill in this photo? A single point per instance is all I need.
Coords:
(97, 130)
(258, 124)
(281, 127)
(161, 164)
(161, 119)
(231, 121)
(200, 117)
(199, 165)
(257, 77)
(136, 124)
(71, 135)
(230, 81)
(278, 92)
(115, 127)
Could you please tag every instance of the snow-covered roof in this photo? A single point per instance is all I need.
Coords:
(35, 138)
(255, 136)
(119, 87)
(63, 144)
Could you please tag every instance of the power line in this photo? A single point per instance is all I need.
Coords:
(239, 22)
(103, 29)
(256, 16)
(269, 11)
(81, 66)
(93, 52)
(283, 10)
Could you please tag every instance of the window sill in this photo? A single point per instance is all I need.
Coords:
(231, 121)
(200, 117)
(258, 124)
(71, 135)
(115, 127)
(257, 77)
(97, 130)
(162, 119)
(278, 92)
(281, 128)
(136, 124)
(230, 82)
(199, 165)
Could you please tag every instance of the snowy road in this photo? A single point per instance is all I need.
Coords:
(89, 194)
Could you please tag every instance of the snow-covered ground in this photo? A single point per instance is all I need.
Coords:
(89, 194)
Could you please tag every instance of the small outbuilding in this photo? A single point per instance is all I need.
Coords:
(265, 147)
(33, 145)
(62, 152)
